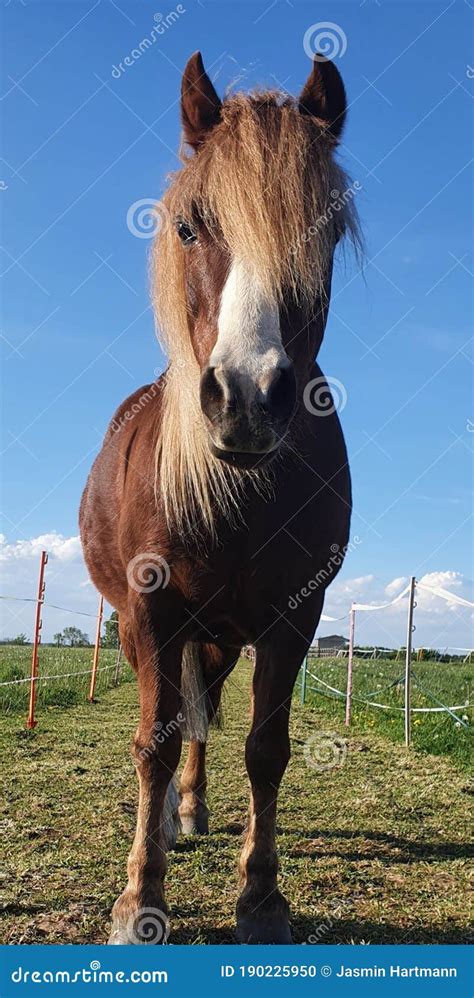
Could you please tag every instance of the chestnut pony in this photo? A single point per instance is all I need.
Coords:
(218, 493)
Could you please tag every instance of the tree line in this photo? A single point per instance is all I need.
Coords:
(73, 637)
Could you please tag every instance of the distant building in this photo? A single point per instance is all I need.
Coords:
(330, 645)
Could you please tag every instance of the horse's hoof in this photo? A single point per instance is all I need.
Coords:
(263, 920)
(147, 926)
(195, 824)
(118, 936)
(270, 929)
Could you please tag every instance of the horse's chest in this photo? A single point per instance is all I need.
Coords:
(240, 593)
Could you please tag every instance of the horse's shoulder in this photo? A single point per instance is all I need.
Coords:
(143, 401)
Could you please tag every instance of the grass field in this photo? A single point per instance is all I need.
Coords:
(372, 851)
(71, 666)
(436, 733)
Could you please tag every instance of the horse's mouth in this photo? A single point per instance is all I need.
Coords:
(246, 460)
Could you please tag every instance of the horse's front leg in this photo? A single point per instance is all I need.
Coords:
(262, 911)
(140, 913)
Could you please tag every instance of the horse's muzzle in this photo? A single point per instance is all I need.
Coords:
(245, 460)
(247, 421)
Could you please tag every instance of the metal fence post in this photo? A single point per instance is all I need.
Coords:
(303, 678)
(95, 660)
(350, 659)
(117, 665)
(31, 722)
(411, 604)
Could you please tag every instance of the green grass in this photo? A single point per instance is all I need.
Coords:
(373, 850)
(435, 733)
(65, 691)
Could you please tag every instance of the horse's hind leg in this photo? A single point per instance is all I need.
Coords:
(215, 664)
(193, 809)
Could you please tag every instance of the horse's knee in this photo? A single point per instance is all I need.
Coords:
(157, 753)
(266, 757)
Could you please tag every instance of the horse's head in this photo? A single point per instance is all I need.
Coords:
(244, 261)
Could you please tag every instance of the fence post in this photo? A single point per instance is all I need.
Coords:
(350, 659)
(95, 660)
(117, 665)
(411, 604)
(303, 678)
(31, 722)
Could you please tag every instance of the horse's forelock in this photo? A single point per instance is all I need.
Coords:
(265, 181)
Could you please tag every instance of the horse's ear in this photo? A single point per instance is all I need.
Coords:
(200, 105)
(323, 95)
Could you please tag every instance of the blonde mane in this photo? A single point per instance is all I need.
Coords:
(267, 184)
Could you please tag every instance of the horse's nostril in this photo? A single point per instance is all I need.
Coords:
(281, 393)
(211, 394)
(210, 386)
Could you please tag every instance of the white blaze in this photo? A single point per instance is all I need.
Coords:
(249, 337)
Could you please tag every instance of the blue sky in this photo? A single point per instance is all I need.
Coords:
(81, 146)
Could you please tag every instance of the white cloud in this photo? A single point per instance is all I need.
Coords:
(396, 586)
(443, 580)
(355, 587)
(438, 623)
(436, 605)
(67, 584)
(57, 546)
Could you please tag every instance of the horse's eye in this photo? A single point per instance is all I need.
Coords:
(185, 232)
